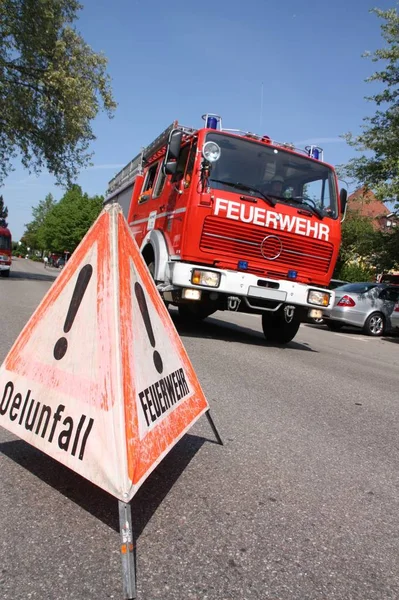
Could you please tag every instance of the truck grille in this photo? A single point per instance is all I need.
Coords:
(240, 240)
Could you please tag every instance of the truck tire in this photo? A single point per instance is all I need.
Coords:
(276, 329)
(5, 273)
(194, 313)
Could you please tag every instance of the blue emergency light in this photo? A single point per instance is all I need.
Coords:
(314, 152)
(211, 120)
(243, 264)
(292, 274)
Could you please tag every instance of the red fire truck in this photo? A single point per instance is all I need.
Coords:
(5, 251)
(230, 220)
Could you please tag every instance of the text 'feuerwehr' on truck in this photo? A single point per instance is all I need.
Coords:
(230, 220)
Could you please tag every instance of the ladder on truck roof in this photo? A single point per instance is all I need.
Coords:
(135, 166)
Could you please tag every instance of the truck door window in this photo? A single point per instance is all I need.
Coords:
(159, 184)
(148, 184)
(149, 180)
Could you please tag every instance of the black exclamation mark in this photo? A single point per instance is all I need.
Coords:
(82, 282)
(147, 322)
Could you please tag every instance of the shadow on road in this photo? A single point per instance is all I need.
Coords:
(37, 276)
(94, 500)
(393, 339)
(212, 328)
(392, 336)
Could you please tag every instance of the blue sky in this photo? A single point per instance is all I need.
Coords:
(180, 59)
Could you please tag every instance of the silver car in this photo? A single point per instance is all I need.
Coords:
(395, 317)
(365, 305)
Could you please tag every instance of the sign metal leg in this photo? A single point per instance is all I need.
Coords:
(213, 426)
(127, 551)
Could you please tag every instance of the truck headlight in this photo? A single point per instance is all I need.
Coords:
(211, 151)
(319, 298)
(208, 278)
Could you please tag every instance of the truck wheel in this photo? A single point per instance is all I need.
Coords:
(5, 273)
(374, 325)
(276, 329)
(192, 314)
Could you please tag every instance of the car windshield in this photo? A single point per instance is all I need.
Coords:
(278, 173)
(356, 288)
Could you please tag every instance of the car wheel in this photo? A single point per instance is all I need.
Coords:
(334, 325)
(375, 324)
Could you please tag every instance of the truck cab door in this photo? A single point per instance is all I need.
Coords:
(178, 198)
(149, 201)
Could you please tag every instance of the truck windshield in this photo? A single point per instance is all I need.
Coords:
(281, 175)
(5, 242)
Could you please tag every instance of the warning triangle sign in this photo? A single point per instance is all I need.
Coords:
(99, 378)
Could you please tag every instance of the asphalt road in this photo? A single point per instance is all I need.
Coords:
(300, 503)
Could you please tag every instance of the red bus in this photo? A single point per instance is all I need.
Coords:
(5, 252)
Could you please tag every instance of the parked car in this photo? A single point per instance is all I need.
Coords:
(334, 283)
(367, 305)
(395, 317)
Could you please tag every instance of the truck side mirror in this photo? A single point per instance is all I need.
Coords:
(169, 168)
(172, 152)
(343, 196)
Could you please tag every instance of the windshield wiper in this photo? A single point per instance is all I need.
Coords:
(246, 188)
(301, 200)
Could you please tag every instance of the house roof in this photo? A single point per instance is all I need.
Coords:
(366, 204)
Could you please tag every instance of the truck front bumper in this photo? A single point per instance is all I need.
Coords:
(249, 286)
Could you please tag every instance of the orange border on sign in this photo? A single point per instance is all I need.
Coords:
(157, 441)
(98, 391)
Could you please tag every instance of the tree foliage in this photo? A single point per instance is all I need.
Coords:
(52, 85)
(70, 220)
(380, 137)
(358, 248)
(59, 227)
(3, 213)
(33, 235)
(387, 251)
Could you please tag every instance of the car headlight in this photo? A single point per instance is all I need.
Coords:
(208, 278)
(211, 151)
(319, 298)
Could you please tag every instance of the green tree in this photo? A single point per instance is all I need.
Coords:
(387, 251)
(69, 220)
(52, 85)
(33, 232)
(379, 170)
(3, 213)
(357, 253)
